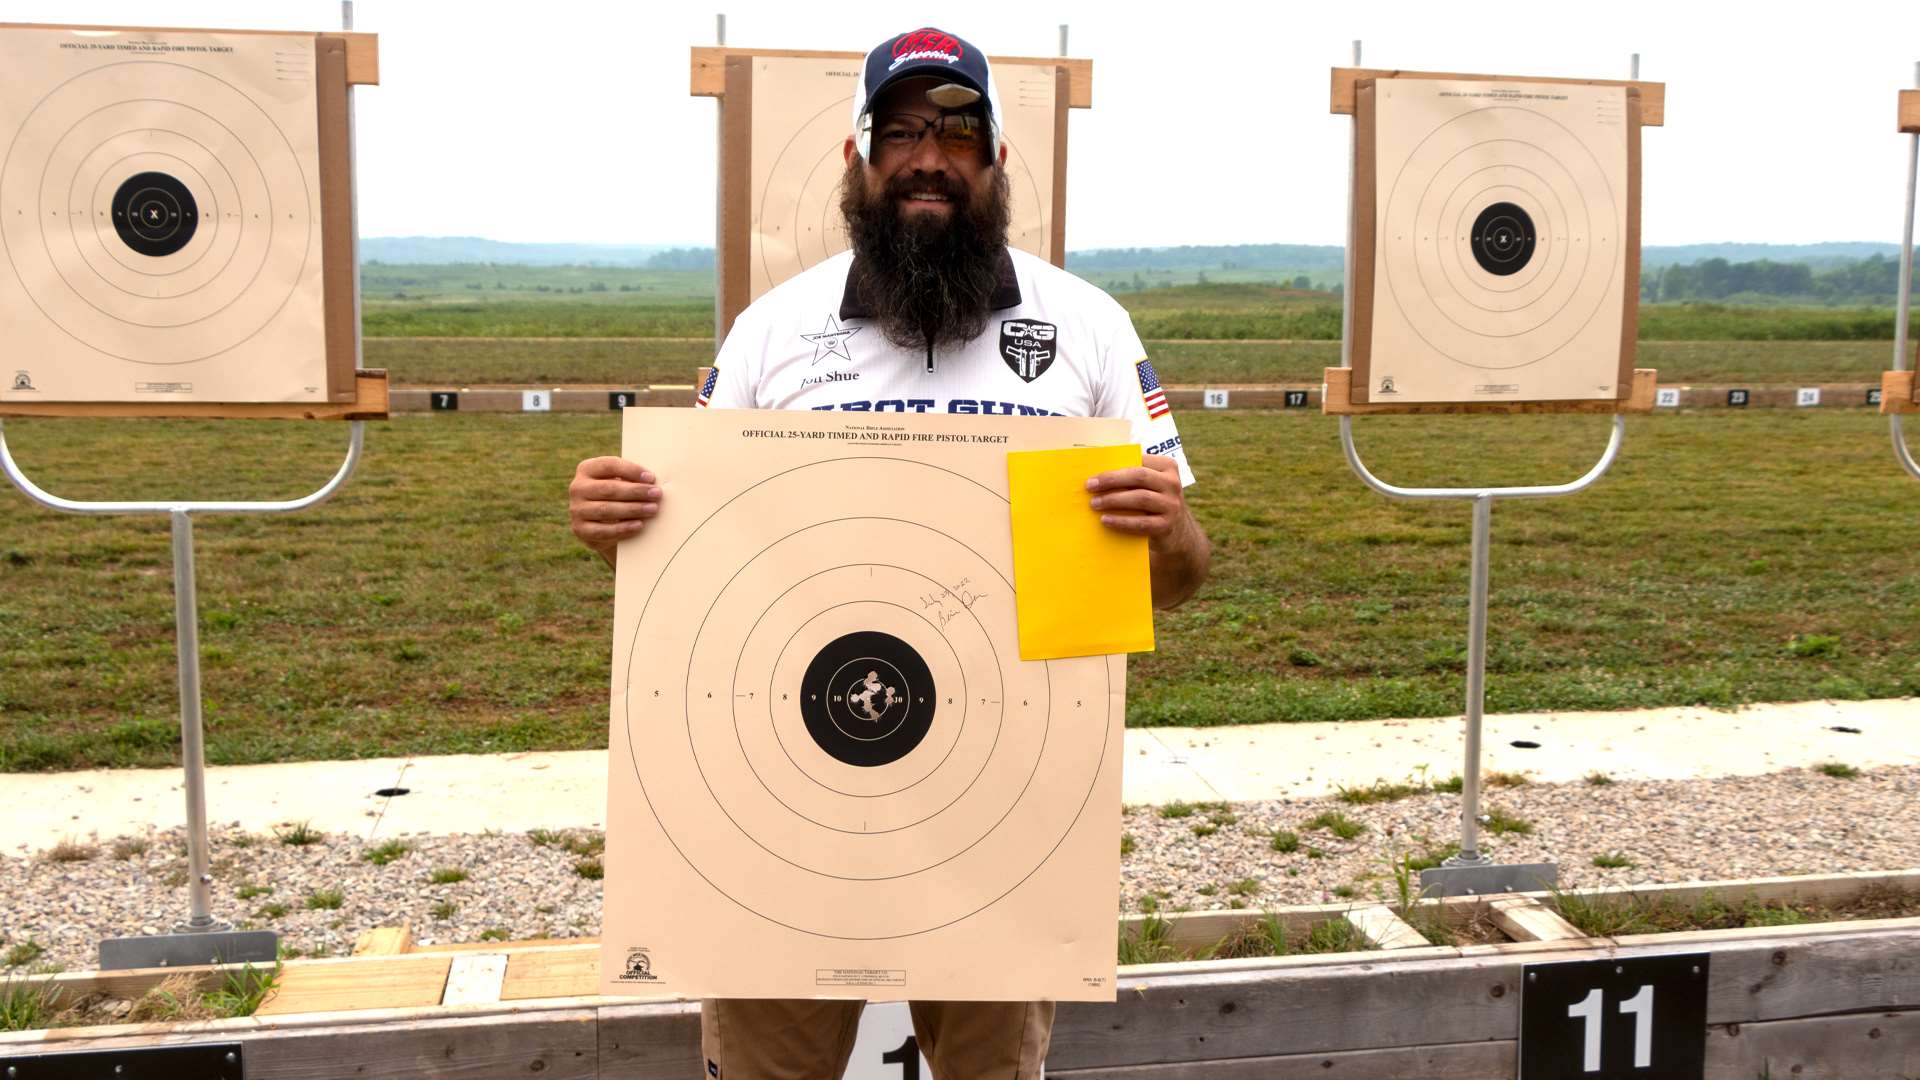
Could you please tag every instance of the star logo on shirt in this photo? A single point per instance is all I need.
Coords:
(832, 341)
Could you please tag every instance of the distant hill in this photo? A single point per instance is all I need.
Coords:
(1831, 253)
(1221, 257)
(1329, 256)
(454, 250)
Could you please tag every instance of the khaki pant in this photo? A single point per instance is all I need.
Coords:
(766, 1039)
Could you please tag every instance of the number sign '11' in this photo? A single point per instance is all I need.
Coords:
(1628, 1018)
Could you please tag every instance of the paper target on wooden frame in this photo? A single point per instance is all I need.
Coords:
(785, 117)
(175, 217)
(830, 773)
(802, 114)
(1496, 241)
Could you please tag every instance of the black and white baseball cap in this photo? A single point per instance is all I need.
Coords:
(919, 54)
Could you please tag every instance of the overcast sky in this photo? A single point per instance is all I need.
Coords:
(570, 121)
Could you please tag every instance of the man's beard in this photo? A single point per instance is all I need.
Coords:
(927, 280)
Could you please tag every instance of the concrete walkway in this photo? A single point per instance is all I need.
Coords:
(516, 792)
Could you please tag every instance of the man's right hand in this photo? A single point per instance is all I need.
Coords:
(609, 500)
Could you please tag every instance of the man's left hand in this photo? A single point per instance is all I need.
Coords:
(1149, 501)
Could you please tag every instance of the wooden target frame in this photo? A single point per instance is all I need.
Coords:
(341, 60)
(1345, 391)
(728, 75)
(1899, 391)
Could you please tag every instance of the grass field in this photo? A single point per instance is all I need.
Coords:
(643, 361)
(440, 605)
(477, 325)
(506, 301)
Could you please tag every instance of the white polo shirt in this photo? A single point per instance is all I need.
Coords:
(1054, 345)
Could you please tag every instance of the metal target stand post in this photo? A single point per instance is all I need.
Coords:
(1897, 394)
(1471, 872)
(202, 939)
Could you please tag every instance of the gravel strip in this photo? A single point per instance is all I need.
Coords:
(1798, 822)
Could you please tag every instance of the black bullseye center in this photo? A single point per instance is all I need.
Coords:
(154, 214)
(1503, 239)
(867, 698)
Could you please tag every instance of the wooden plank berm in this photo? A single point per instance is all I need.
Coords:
(1837, 999)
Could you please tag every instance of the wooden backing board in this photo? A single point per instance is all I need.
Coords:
(1910, 111)
(341, 60)
(1362, 242)
(1336, 400)
(339, 276)
(733, 241)
(727, 74)
(1653, 95)
(1899, 392)
(708, 76)
(370, 403)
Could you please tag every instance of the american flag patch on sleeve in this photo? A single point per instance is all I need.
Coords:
(1155, 397)
(705, 397)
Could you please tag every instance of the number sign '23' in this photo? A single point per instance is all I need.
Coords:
(1629, 1018)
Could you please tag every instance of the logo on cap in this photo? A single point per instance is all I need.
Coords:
(926, 44)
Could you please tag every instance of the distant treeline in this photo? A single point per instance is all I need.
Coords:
(681, 259)
(1222, 257)
(1873, 279)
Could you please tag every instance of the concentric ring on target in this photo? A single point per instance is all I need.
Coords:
(691, 702)
(154, 214)
(938, 754)
(1502, 239)
(949, 779)
(865, 698)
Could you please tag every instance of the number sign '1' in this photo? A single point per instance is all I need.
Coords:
(1629, 1018)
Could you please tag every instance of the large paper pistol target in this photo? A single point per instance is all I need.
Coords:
(1496, 241)
(802, 113)
(162, 218)
(827, 757)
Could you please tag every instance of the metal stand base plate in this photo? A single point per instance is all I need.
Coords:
(190, 950)
(1489, 878)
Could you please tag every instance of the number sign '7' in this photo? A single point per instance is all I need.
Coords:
(1642, 1017)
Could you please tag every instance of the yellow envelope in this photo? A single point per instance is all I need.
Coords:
(1080, 588)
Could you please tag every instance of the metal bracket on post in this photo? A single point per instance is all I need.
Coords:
(202, 939)
(1470, 872)
(1900, 451)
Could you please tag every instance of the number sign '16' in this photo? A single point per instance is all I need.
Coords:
(1643, 1018)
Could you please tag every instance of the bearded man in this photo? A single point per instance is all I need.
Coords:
(929, 311)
